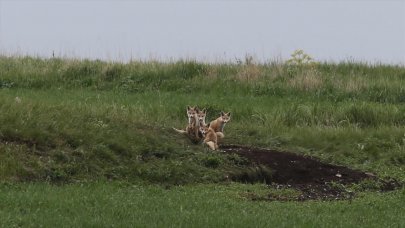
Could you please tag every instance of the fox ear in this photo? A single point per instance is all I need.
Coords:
(204, 110)
(222, 113)
(188, 107)
(197, 109)
(229, 113)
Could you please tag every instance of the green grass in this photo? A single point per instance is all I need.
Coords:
(71, 121)
(124, 205)
(75, 134)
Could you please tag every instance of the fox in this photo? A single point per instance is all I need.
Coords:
(218, 124)
(201, 114)
(210, 136)
(191, 112)
(192, 119)
(195, 117)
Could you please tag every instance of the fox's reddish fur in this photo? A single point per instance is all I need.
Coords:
(210, 137)
(197, 129)
(201, 114)
(195, 117)
(218, 124)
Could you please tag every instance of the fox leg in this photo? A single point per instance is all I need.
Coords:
(196, 131)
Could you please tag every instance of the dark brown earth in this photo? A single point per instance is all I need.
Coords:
(313, 178)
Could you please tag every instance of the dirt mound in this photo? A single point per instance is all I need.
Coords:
(315, 179)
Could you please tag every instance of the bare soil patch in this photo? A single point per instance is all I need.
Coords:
(312, 177)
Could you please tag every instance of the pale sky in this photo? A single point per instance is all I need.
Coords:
(372, 31)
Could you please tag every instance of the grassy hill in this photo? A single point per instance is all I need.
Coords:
(69, 121)
(64, 120)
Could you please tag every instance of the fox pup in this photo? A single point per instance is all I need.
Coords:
(219, 124)
(195, 117)
(210, 137)
(201, 114)
(192, 121)
(191, 112)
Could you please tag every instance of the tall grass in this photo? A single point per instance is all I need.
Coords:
(379, 83)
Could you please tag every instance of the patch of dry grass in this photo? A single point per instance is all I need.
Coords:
(250, 72)
(306, 81)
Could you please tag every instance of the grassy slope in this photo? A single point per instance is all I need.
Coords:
(66, 120)
(70, 120)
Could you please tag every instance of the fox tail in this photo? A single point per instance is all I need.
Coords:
(180, 131)
(220, 134)
(211, 144)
